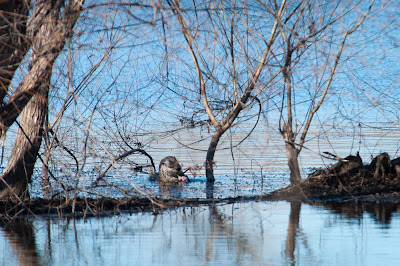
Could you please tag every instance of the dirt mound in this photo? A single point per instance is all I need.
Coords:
(349, 178)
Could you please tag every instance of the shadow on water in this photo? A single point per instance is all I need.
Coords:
(260, 233)
(380, 212)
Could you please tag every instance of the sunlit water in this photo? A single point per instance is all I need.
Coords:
(251, 233)
(254, 233)
(257, 166)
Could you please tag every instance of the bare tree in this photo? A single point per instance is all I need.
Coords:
(300, 32)
(229, 56)
(235, 65)
(239, 94)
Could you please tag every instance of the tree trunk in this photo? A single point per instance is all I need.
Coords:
(210, 154)
(292, 154)
(21, 163)
(47, 32)
(13, 40)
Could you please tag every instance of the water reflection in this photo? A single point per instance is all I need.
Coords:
(381, 212)
(209, 190)
(237, 240)
(293, 226)
(261, 233)
(21, 236)
(176, 190)
(168, 191)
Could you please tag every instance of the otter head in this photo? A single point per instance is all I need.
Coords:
(171, 171)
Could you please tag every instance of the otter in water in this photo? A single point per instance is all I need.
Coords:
(170, 170)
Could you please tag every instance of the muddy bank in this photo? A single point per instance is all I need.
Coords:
(350, 178)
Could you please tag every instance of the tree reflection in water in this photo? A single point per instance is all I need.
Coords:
(21, 236)
(221, 228)
(293, 226)
(241, 233)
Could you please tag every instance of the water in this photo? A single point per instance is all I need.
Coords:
(247, 233)
(251, 233)
(257, 166)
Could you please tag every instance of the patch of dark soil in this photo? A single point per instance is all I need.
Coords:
(349, 178)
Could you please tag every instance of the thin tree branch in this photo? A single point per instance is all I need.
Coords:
(328, 83)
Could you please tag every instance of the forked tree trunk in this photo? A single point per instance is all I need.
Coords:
(47, 30)
(227, 122)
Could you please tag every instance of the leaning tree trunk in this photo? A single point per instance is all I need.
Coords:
(47, 32)
(27, 144)
(210, 154)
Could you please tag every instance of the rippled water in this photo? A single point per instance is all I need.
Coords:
(253, 233)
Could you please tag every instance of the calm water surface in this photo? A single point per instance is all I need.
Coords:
(254, 233)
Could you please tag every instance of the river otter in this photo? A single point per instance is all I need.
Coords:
(171, 171)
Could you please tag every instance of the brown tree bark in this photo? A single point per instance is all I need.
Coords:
(296, 45)
(225, 123)
(47, 32)
(292, 154)
(13, 41)
(21, 163)
(210, 154)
